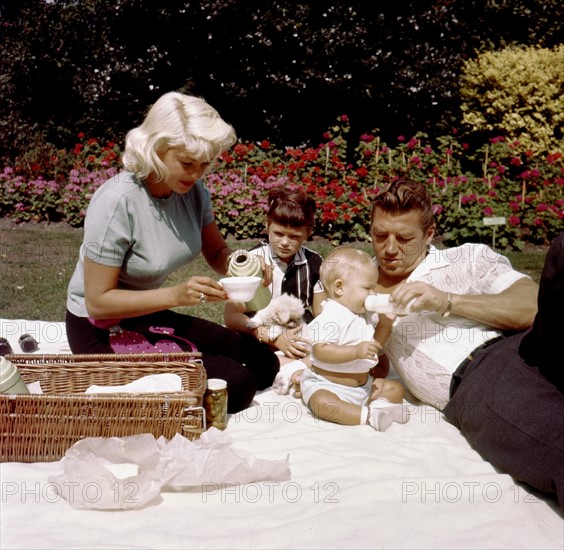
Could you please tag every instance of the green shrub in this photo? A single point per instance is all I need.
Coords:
(516, 92)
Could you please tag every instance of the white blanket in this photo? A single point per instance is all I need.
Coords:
(417, 485)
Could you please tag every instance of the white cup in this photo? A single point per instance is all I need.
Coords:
(10, 378)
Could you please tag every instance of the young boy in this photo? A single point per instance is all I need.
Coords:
(295, 269)
(345, 345)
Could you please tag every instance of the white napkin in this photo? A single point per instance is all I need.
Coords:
(152, 383)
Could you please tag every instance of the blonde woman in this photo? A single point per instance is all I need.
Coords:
(150, 220)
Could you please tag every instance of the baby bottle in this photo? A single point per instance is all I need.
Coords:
(380, 303)
(10, 378)
(243, 264)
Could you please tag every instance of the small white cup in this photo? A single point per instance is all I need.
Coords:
(240, 289)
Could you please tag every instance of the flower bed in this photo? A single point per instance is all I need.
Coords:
(499, 179)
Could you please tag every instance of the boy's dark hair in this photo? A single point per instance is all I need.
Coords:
(291, 207)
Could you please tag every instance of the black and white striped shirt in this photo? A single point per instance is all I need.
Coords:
(299, 278)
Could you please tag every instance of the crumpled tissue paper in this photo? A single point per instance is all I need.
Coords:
(126, 473)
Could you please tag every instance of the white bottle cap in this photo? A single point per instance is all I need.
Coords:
(216, 384)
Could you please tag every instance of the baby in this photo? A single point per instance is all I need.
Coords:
(339, 386)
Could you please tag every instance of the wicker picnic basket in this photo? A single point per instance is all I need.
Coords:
(41, 427)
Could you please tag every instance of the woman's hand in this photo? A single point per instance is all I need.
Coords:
(200, 290)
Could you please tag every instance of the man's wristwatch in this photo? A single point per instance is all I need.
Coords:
(448, 309)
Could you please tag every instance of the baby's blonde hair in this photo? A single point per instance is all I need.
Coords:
(176, 121)
(339, 264)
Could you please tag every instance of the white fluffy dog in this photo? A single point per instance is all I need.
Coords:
(284, 312)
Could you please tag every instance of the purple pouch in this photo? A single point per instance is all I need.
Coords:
(130, 341)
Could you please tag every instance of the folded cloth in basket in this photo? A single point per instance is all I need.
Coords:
(154, 383)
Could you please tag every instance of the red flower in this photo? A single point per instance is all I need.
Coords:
(553, 157)
(361, 172)
(240, 150)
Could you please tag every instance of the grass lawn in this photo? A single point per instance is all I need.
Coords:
(37, 261)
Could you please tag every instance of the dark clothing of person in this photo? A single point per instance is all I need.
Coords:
(509, 401)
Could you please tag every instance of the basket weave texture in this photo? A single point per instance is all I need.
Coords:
(41, 427)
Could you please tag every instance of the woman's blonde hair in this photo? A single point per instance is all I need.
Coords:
(176, 120)
(339, 264)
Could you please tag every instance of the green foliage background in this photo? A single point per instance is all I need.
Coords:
(276, 70)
